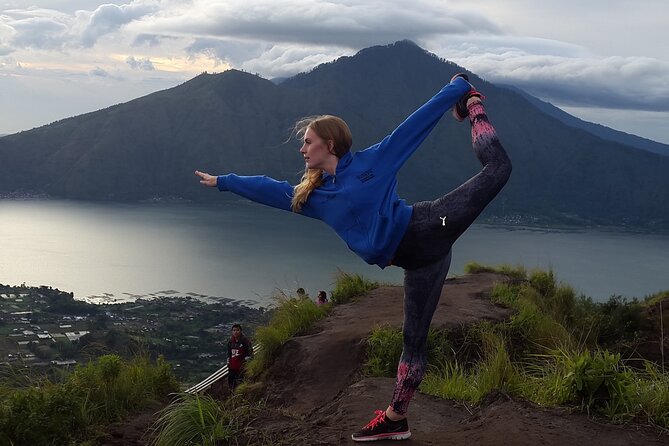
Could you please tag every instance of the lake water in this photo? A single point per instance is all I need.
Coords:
(117, 252)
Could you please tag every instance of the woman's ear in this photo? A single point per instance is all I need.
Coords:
(331, 146)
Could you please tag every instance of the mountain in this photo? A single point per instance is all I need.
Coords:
(596, 129)
(148, 148)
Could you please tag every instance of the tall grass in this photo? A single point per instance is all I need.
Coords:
(348, 286)
(517, 272)
(201, 420)
(549, 352)
(290, 317)
(103, 391)
(293, 316)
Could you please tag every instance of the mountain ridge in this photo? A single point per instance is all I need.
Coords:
(600, 130)
(238, 122)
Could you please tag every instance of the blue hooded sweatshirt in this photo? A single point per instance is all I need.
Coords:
(360, 201)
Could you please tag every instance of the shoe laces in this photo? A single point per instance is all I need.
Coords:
(380, 416)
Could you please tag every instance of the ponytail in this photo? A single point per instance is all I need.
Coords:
(311, 179)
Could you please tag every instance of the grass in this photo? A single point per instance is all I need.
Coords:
(193, 419)
(96, 394)
(201, 420)
(556, 349)
(292, 316)
(348, 286)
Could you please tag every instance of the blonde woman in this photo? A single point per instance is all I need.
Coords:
(356, 195)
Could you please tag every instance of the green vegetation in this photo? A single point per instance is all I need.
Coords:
(290, 317)
(202, 420)
(94, 395)
(293, 315)
(347, 286)
(557, 349)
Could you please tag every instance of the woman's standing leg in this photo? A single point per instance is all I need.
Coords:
(422, 290)
(456, 211)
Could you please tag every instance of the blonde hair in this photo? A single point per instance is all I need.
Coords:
(328, 128)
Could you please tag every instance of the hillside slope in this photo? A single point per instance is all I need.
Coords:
(317, 395)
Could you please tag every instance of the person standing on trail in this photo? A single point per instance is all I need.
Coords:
(356, 194)
(239, 351)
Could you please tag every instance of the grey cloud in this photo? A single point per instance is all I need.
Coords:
(326, 23)
(563, 73)
(108, 18)
(616, 82)
(283, 61)
(39, 32)
(97, 71)
(151, 40)
(143, 64)
(233, 52)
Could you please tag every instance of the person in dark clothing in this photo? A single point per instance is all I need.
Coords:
(356, 195)
(239, 351)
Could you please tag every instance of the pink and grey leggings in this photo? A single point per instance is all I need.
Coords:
(425, 249)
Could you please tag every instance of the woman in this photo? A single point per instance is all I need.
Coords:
(322, 298)
(356, 195)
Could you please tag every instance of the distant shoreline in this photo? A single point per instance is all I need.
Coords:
(511, 222)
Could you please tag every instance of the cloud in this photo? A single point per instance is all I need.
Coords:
(109, 18)
(324, 23)
(150, 40)
(278, 38)
(39, 32)
(97, 71)
(144, 64)
(567, 74)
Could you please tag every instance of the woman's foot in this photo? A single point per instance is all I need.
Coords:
(383, 428)
(460, 108)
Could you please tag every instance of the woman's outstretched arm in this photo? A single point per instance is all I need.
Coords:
(261, 189)
(395, 149)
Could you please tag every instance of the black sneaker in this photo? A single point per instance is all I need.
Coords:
(460, 108)
(383, 428)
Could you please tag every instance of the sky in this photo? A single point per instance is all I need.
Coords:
(604, 61)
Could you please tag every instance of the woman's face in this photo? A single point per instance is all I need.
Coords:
(316, 150)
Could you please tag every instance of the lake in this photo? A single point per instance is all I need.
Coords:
(118, 252)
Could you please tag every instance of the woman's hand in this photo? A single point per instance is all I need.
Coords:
(206, 179)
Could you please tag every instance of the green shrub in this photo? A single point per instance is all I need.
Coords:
(549, 352)
(348, 286)
(514, 272)
(98, 393)
(200, 420)
(504, 294)
(384, 348)
(290, 317)
(542, 281)
(595, 381)
(651, 395)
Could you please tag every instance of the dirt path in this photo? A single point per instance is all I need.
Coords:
(314, 369)
(321, 400)
(316, 396)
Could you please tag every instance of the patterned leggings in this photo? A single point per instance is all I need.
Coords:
(425, 249)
